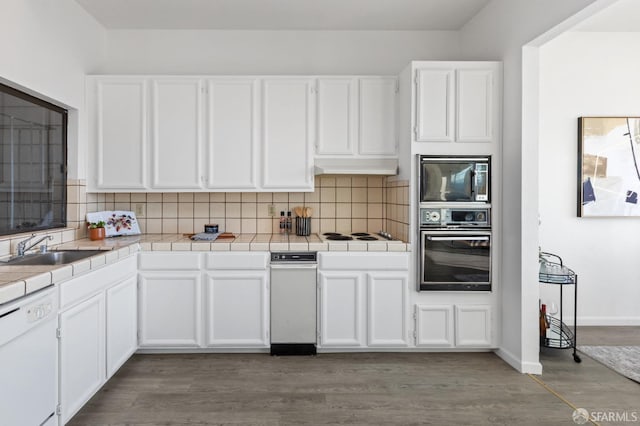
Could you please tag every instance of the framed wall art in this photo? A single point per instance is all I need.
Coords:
(608, 166)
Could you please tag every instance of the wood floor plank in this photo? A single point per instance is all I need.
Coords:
(352, 389)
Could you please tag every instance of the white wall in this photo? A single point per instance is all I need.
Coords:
(47, 46)
(588, 74)
(498, 32)
(273, 52)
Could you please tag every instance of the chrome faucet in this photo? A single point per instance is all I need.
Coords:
(22, 245)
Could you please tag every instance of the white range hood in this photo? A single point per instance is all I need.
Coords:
(359, 166)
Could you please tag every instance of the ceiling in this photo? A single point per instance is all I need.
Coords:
(622, 16)
(375, 15)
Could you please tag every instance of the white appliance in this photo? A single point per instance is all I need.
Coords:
(293, 303)
(28, 360)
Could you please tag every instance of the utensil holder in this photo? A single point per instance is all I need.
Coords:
(303, 226)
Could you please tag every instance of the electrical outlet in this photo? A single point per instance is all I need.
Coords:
(272, 210)
(140, 209)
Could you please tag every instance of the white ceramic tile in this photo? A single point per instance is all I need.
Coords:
(181, 246)
(161, 246)
(62, 273)
(357, 246)
(111, 256)
(11, 291)
(81, 266)
(219, 246)
(36, 282)
(200, 246)
(97, 261)
(338, 246)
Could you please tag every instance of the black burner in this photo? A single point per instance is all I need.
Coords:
(360, 234)
(338, 237)
(331, 234)
(367, 238)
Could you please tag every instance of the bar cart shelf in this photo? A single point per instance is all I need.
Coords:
(559, 335)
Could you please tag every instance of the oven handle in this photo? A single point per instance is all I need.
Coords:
(461, 238)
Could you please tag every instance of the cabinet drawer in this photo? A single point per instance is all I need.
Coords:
(83, 286)
(366, 261)
(169, 261)
(238, 260)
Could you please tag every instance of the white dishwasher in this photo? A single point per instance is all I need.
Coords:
(293, 303)
(28, 360)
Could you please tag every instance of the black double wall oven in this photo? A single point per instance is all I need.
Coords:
(455, 223)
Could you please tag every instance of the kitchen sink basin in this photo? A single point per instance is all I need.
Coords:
(52, 257)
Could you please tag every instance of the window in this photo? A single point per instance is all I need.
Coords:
(33, 163)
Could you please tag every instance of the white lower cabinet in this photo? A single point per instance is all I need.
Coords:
(237, 300)
(82, 354)
(387, 305)
(122, 323)
(96, 328)
(197, 300)
(473, 326)
(448, 326)
(364, 300)
(237, 309)
(341, 309)
(170, 309)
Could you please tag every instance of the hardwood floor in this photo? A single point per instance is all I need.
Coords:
(357, 389)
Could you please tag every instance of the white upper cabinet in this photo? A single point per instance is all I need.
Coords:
(457, 101)
(356, 117)
(118, 128)
(177, 133)
(434, 105)
(337, 114)
(475, 105)
(377, 105)
(232, 133)
(287, 128)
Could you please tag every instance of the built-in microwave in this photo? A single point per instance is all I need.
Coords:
(454, 178)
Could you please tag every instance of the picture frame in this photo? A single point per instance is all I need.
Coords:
(608, 166)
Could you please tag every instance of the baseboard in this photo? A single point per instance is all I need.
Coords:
(515, 362)
(611, 321)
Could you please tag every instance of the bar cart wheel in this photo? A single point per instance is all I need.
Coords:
(552, 271)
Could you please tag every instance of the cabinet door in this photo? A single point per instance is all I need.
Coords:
(122, 324)
(473, 326)
(169, 310)
(237, 309)
(177, 133)
(337, 116)
(434, 326)
(287, 128)
(341, 309)
(387, 307)
(82, 349)
(232, 149)
(119, 132)
(475, 104)
(377, 117)
(435, 108)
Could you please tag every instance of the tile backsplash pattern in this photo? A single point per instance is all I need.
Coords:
(340, 203)
(397, 208)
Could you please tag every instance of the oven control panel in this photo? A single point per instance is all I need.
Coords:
(455, 217)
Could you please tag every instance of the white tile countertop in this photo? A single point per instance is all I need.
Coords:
(19, 280)
(264, 242)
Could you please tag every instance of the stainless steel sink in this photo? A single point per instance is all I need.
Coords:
(52, 257)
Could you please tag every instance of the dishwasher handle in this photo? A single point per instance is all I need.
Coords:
(294, 266)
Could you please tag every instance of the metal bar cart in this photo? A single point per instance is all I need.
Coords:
(559, 335)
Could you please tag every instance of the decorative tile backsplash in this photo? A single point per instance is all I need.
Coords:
(340, 204)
